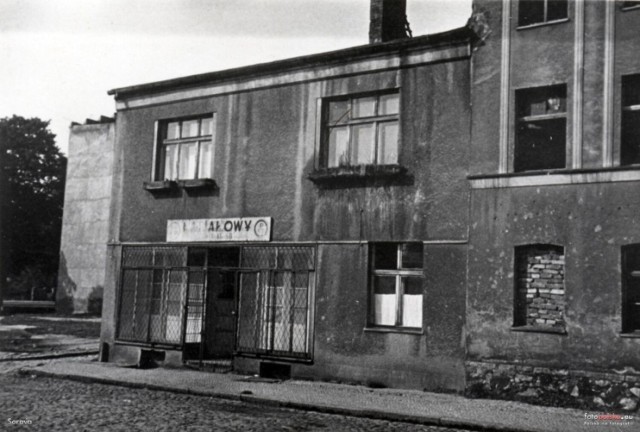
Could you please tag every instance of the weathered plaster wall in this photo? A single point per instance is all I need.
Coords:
(265, 146)
(485, 91)
(346, 350)
(545, 55)
(85, 221)
(592, 222)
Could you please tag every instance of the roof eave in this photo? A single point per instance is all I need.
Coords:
(454, 37)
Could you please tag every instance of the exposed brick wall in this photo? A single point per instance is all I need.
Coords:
(540, 287)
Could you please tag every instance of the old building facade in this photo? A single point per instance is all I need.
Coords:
(553, 243)
(417, 212)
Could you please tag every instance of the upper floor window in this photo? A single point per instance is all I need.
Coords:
(541, 11)
(630, 4)
(361, 131)
(630, 134)
(397, 285)
(541, 128)
(186, 149)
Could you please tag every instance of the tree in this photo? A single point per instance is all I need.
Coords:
(32, 176)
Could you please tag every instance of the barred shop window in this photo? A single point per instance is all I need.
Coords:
(152, 292)
(532, 12)
(397, 285)
(631, 288)
(630, 134)
(540, 290)
(274, 301)
(541, 128)
(361, 131)
(185, 149)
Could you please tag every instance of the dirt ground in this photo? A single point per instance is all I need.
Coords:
(45, 333)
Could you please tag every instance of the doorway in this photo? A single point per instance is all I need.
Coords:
(211, 307)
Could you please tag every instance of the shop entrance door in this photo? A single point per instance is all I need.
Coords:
(211, 308)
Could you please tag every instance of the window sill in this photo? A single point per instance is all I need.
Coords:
(195, 184)
(173, 186)
(560, 176)
(542, 24)
(628, 8)
(402, 330)
(358, 174)
(160, 186)
(631, 335)
(533, 329)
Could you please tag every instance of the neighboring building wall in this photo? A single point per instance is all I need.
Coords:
(87, 202)
(589, 208)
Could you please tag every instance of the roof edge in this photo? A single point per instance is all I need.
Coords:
(452, 37)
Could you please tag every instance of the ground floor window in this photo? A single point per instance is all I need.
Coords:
(251, 299)
(274, 301)
(152, 295)
(396, 285)
(631, 288)
(540, 292)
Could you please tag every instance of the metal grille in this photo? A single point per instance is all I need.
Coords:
(273, 305)
(152, 295)
(147, 256)
(195, 306)
(281, 257)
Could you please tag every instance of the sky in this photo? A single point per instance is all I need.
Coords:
(60, 57)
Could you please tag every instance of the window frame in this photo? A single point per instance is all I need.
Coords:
(162, 142)
(399, 274)
(629, 5)
(265, 334)
(521, 304)
(631, 81)
(545, 16)
(524, 97)
(627, 273)
(375, 120)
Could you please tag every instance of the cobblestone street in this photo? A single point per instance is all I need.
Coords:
(61, 405)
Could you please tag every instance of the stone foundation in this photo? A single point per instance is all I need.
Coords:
(599, 391)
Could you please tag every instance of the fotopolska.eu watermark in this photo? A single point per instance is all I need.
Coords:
(605, 419)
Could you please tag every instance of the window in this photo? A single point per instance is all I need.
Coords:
(630, 4)
(631, 288)
(186, 149)
(361, 131)
(630, 135)
(541, 11)
(274, 301)
(152, 292)
(540, 293)
(541, 128)
(397, 285)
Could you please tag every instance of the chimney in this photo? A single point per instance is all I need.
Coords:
(388, 21)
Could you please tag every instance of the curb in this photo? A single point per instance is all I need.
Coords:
(51, 356)
(364, 413)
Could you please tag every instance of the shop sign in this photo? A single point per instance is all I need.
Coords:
(226, 229)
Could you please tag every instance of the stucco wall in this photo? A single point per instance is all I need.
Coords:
(85, 222)
(545, 55)
(592, 222)
(265, 146)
